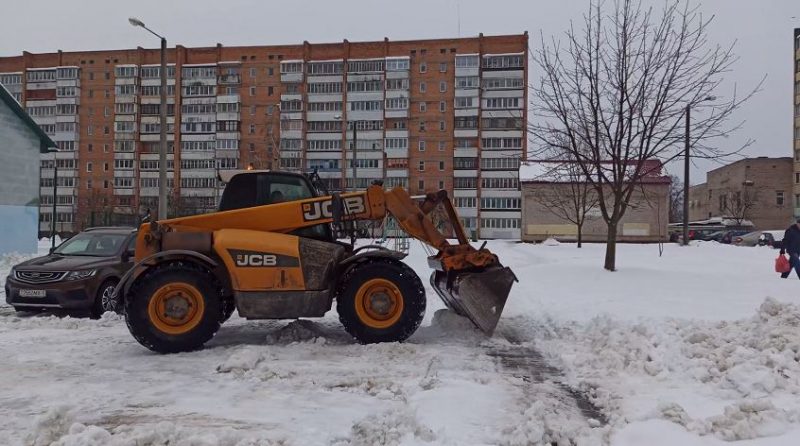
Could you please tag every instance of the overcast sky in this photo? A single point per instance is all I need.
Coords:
(762, 29)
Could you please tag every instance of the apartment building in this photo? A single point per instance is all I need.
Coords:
(424, 114)
(796, 129)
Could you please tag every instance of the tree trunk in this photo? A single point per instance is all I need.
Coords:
(580, 235)
(611, 247)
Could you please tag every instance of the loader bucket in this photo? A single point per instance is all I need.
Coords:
(477, 295)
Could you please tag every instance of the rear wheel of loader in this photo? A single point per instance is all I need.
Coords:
(176, 308)
(381, 301)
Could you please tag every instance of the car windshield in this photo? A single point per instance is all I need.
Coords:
(92, 244)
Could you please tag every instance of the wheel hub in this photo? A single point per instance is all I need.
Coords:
(381, 303)
(177, 307)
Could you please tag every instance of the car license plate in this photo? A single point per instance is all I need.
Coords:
(32, 293)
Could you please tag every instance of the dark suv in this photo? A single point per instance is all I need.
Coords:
(79, 275)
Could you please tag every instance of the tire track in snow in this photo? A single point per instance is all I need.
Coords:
(529, 365)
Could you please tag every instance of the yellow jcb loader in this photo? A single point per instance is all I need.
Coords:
(271, 252)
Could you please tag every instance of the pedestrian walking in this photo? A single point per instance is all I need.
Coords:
(791, 245)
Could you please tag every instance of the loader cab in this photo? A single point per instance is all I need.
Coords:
(250, 188)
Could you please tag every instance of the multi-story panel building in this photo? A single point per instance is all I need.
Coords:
(425, 115)
(796, 122)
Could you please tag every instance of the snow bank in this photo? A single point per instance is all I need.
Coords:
(753, 362)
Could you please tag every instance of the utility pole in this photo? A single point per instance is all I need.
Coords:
(686, 180)
(686, 158)
(55, 200)
(355, 156)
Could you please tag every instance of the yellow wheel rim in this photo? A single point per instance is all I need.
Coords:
(176, 308)
(379, 303)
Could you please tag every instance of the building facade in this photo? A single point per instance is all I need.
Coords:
(796, 129)
(752, 189)
(22, 143)
(549, 208)
(426, 115)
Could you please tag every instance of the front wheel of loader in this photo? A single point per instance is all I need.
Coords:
(381, 301)
(176, 308)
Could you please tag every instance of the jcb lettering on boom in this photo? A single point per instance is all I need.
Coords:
(319, 210)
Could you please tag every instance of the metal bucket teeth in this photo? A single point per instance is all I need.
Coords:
(480, 296)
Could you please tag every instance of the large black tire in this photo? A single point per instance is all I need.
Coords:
(102, 300)
(228, 307)
(403, 278)
(147, 331)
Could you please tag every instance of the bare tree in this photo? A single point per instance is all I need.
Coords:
(675, 199)
(569, 196)
(620, 88)
(737, 205)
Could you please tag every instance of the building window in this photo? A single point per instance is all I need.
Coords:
(423, 67)
(441, 166)
(89, 167)
(88, 184)
(252, 91)
(421, 145)
(442, 106)
(90, 129)
(270, 71)
(442, 86)
(423, 87)
(442, 125)
(252, 128)
(422, 126)
(422, 166)
(442, 145)
(106, 130)
(252, 72)
(421, 185)
(779, 197)
(423, 107)
(797, 200)
(105, 166)
(443, 67)
(89, 148)
(797, 178)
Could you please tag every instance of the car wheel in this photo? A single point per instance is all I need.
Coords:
(104, 300)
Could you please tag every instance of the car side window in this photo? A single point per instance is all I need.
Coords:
(132, 243)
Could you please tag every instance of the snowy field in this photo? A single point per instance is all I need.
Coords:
(700, 346)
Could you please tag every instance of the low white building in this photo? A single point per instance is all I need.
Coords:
(21, 143)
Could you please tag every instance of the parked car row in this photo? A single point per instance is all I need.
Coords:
(735, 237)
(79, 275)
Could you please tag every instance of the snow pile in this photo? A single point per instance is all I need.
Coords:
(447, 326)
(160, 434)
(300, 330)
(550, 241)
(252, 363)
(390, 428)
(746, 420)
(749, 362)
(50, 426)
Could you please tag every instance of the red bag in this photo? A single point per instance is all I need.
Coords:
(782, 264)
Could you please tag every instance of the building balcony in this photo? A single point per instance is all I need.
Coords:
(227, 79)
(228, 99)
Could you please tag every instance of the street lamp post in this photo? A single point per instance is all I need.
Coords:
(686, 160)
(162, 158)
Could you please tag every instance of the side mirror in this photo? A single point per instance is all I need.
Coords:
(127, 255)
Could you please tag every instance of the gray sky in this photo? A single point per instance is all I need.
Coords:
(762, 29)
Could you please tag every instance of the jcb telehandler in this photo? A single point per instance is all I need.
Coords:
(271, 252)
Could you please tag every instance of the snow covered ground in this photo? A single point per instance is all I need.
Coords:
(700, 346)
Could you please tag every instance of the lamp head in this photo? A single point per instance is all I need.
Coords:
(135, 22)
